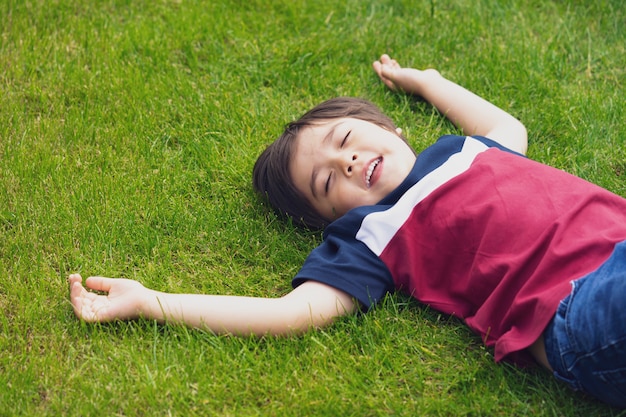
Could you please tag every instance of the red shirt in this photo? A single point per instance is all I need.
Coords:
(483, 234)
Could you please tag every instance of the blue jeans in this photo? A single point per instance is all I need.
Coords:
(586, 339)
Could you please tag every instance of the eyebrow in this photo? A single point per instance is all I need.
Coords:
(326, 139)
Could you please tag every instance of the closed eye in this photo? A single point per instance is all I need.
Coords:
(327, 184)
(343, 142)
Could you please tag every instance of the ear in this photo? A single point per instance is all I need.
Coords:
(398, 131)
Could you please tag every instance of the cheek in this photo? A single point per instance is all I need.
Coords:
(343, 202)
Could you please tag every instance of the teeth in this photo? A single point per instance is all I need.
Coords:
(370, 170)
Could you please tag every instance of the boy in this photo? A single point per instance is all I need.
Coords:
(520, 251)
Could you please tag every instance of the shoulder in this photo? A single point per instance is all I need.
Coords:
(456, 143)
(344, 262)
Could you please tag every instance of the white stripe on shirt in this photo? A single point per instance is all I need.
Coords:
(378, 228)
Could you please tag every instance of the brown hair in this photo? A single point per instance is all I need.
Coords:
(271, 174)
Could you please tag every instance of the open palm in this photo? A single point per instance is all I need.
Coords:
(115, 299)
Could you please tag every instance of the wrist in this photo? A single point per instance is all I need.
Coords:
(422, 82)
(149, 304)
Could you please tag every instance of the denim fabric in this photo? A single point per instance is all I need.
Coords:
(586, 340)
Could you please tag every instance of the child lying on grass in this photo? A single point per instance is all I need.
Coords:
(531, 258)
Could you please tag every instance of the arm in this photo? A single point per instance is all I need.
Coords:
(312, 304)
(473, 114)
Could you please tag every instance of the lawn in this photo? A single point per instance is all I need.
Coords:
(128, 132)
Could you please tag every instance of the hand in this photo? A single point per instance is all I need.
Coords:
(121, 301)
(473, 114)
(396, 78)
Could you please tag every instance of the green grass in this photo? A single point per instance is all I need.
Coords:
(128, 131)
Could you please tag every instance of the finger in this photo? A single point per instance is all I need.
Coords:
(387, 60)
(383, 74)
(100, 283)
(74, 278)
(384, 59)
(377, 67)
(388, 71)
(78, 298)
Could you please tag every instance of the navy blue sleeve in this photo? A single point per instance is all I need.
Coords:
(347, 265)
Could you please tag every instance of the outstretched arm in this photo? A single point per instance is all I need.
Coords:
(312, 304)
(473, 114)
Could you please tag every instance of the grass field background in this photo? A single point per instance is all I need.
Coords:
(128, 132)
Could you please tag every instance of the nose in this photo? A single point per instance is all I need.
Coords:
(350, 161)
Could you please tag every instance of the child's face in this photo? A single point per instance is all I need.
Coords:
(347, 163)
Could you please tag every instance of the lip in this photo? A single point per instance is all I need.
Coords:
(375, 175)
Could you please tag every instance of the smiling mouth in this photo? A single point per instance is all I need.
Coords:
(370, 171)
